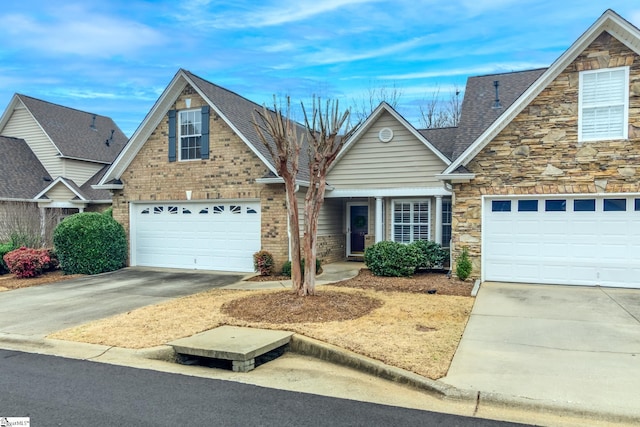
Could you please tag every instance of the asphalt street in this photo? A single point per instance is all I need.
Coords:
(55, 391)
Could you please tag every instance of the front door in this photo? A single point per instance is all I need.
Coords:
(358, 227)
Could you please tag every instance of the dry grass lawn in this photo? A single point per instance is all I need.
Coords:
(395, 321)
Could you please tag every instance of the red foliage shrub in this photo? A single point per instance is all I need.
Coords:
(29, 262)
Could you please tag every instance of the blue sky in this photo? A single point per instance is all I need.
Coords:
(116, 57)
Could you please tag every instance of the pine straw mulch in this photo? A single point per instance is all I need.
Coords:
(9, 281)
(394, 320)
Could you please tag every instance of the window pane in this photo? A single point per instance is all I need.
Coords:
(587, 205)
(501, 206)
(527, 206)
(615, 205)
(637, 204)
(555, 205)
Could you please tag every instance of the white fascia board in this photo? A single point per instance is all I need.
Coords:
(456, 177)
(144, 131)
(83, 160)
(609, 22)
(388, 192)
(299, 182)
(108, 187)
(6, 115)
(9, 199)
(53, 184)
(231, 125)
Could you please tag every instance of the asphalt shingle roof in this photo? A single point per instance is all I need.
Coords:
(23, 176)
(77, 134)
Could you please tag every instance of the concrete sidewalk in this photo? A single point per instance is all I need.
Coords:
(572, 348)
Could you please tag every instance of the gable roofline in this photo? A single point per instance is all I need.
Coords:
(67, 183)
(373, 117)
(155, 116)
(610, 22)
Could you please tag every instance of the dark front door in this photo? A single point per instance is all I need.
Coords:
(359, 226)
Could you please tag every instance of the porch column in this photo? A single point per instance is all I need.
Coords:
(438, 230)
(378, 228)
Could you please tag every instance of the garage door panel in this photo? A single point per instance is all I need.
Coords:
(591, 247)
(196, 235)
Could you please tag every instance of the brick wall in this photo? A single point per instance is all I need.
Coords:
(229, 173)
(539, 152)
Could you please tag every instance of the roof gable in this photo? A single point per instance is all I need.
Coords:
(373, 118)
(610, 22)
(23, 176)
(236, 111)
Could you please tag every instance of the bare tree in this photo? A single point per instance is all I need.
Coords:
(363, 107)
(436, 113)
(323, 127)
(285, 153)
(26, 225)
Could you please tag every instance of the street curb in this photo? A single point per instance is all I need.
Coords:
(330, 353)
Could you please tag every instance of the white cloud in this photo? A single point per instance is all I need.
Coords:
(78, 32)
(334, 56)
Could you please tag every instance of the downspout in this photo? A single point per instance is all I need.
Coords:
(447, 186)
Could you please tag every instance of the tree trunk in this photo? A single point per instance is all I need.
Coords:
(294, 229)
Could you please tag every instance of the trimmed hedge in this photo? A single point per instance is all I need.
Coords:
(90, 243)
(392, 259)
(29, 262)
(431, 254)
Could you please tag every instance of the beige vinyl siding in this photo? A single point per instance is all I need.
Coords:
(22, 125)
(331, 219)
(403, 162)
(60, 193)
(79, 171)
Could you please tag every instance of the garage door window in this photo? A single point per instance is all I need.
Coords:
(637, 204)
(586, 205)
(555, 205)
(615, 205)
(527, 206)
(501, 206)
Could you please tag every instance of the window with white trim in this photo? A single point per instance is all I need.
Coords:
(446, 221)
(410, 220)
(603, 103)
(190, 134)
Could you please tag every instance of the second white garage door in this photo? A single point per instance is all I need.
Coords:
(193, 235)
(577, 240)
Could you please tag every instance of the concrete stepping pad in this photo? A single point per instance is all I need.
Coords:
(239, 345)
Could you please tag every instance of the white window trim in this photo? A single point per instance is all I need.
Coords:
(393, 222)
(444, 224)
(625, 126)
(180, 136)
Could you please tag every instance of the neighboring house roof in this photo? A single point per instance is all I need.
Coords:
(237, 112)
(610, 22)
(373, 117)
(93, 194)
(23, 176)
(76, 134)
(443, 139)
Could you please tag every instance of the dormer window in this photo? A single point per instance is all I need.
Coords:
(603, 104)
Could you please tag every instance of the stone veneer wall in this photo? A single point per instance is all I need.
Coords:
(229, 173)
(539, 152)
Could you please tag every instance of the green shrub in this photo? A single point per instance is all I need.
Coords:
(430, 254)
(108, 212)
(286, 268)
(263, 263)
(464, 266)
(5, 248)
(90, 243)
(29, 240)
(393, 259)
(28, 262)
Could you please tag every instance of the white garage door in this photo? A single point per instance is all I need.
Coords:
(193, 235)
(577, 240)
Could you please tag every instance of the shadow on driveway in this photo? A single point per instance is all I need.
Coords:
(41, 310)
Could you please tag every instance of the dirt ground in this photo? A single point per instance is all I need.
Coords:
(9, 281)
(394, 320)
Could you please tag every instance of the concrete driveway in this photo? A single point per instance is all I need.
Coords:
(40, 310)
(567, 346)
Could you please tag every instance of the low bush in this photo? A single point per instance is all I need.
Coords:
(286, 268)
(5, 248)
(464, 265)
(392, 259)
(28, 262)
(263, 263)
(108, 212)
(430, 254)
(90, 243)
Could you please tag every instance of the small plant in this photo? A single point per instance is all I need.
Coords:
(286, 267)
(263, 263)
(464, 266)
(5, 248)
(108, 212)
(28, 262)
(430, 254)
(392, 259)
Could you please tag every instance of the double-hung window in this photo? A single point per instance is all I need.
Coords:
(446, 222)
(603, 104)
(410, 220)
(190, 126)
